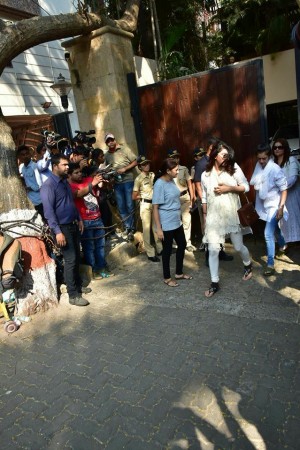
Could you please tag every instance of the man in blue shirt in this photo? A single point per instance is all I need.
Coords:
(31, 177)
(66, 224)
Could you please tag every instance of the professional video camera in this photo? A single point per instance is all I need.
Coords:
(109, 174)
(83, 137)
(55, 141)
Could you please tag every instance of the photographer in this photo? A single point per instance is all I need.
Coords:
(106, 194)
(44, 161)
(123, 161)
(86, 193)
(82, 156)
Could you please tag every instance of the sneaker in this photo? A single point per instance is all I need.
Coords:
(78, 301)
(99, 274)
(85, 290)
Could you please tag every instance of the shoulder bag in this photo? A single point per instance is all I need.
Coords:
(247, 214)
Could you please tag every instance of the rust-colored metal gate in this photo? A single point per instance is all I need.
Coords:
(183, 113)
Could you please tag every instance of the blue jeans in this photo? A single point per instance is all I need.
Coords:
(123, 194)
(273, 231)
(93, 244)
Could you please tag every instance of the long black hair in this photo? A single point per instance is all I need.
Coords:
(228, 164)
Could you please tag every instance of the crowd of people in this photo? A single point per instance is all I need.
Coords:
(74, 191)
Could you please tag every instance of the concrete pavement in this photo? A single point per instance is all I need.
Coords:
(146, 366)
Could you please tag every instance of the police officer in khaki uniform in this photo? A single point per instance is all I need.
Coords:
(143, 190)
(184, 183)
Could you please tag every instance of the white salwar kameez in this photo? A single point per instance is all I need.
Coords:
(222, 219)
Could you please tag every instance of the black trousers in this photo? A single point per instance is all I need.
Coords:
(71, 254)
(40, 209)
(169, 236)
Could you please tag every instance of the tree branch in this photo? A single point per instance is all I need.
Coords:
(128, 21)
(19, 36)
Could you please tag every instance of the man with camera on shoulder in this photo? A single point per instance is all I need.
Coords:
(123, 161)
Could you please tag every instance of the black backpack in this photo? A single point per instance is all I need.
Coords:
(11, 263)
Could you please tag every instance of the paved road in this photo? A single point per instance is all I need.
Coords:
(146, 366)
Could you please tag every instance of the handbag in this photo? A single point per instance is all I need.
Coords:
(247, 214)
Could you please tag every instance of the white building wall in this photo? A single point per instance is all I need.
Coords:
(26, 86)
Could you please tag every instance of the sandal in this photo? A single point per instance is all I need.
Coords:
(247, 272)
(171, 283)
(212, 290)
(183, 277)
(269, 271)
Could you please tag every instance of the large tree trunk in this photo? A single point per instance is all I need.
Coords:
(12, 192)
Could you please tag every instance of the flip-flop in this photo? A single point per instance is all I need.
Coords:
(212, 290)
(171, 283)
(247, 272)
(183, 277)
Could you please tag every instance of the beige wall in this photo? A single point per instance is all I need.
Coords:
(280, 77)
(102, 61)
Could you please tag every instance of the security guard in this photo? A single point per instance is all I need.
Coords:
(184, 183)
(143, 190)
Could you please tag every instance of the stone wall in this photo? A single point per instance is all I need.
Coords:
(27, 6)
(99, 64)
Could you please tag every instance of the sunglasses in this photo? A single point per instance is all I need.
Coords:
(278, 147)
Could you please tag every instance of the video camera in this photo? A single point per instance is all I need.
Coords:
(83, 137)
(109, 174)
(54, 141)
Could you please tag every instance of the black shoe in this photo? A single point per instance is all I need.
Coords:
(85, 290)
(224, 256)
(78, 301)
(153, 258)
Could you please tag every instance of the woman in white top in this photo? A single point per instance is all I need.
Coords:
(290, 166)
(270, 184)
(221, 183)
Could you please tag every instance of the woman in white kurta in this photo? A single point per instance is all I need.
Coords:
(222, 182)
(291, 168)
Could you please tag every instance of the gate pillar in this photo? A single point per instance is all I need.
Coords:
(99, 64)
